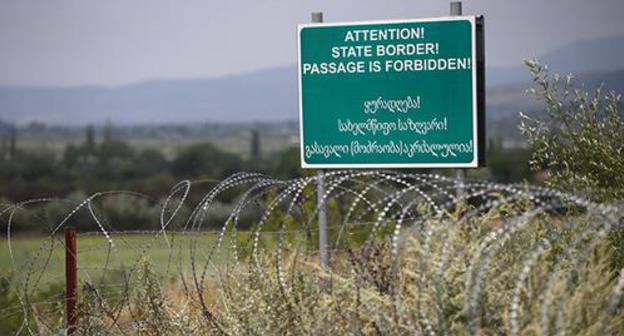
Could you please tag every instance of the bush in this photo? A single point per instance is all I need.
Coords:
(367, 294)
(478, 276)
(581, 140)
(205, 160)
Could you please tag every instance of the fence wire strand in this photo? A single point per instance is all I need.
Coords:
(241, 221)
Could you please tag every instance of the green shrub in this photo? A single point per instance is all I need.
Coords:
(429, 292)
(581, 138)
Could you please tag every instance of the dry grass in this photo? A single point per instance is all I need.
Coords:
(547, 278)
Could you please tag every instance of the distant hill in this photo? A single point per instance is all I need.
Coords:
(267, 95)
(597, 55)
(271, 95)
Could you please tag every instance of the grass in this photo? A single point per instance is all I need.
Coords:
(39, 268)
(44, 258)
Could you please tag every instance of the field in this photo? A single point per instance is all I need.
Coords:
(236, 142)
(42, 259)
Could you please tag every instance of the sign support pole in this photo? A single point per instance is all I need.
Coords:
(456, 10)
(317, 17)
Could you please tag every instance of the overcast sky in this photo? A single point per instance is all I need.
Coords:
(112, 42)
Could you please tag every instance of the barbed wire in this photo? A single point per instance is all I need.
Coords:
(274, 219)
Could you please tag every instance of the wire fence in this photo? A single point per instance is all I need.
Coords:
(261, 218)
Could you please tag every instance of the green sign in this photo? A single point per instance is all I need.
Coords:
(391, 94)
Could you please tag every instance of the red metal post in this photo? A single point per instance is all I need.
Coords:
(71, 281)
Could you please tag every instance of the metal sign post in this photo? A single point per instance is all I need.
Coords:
(456, 10)
(317, 17)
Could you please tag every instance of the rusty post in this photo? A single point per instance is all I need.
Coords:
(71, 281)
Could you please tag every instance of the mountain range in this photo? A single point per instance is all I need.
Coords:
(271, 94)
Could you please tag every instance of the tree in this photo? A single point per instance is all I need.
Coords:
(114, 149)
(205, 159)
(3, 148)
(71, 155)
(509, 165)
(89, 146)
(286, 163)
(151, 161)
(255, 150)
(581, 138)
(13, 143)
(108, 131)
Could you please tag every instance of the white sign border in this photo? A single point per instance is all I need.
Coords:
(475, 159)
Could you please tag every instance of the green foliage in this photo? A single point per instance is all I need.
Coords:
(111, 150)
(72, 155)
(287, 163)
(92, 313)
(29, 166)
(130, 213)
(11, 318)
(205, 160)
(363, 295)
(441, 262)
(151, 311)
(507, 165)
(16, 314)
(151, 162)
(580, 140)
